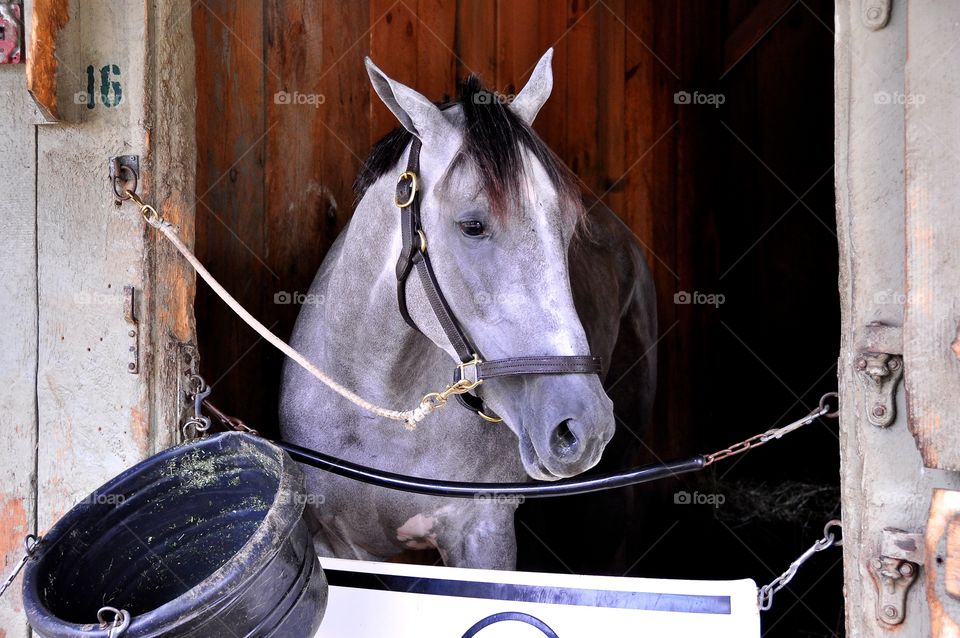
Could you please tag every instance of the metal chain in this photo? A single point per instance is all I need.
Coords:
(765, 593)
(822, 409)
(30, 543)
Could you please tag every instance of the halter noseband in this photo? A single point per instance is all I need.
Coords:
(472, 367)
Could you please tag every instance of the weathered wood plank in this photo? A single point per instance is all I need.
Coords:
(882, 482)
(169, 177)
(651, 139)
(344, 82)
(231, 208)
(942, 573)
(551, 122)
(477, 39)
(436, 39)
(393, 47)
(583, 108)
(47, 20)
(94, 419)
(611, 107)
(300, 214)
(18, 339)
(932, 110)
(518, 45)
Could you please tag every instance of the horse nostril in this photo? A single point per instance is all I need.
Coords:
(564, 442)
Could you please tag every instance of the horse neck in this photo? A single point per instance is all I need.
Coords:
(366, 332)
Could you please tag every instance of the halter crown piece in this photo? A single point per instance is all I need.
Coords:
(472, 369)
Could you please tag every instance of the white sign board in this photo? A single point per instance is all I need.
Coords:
(375, 600)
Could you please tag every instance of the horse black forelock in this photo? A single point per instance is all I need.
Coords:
(494, 141)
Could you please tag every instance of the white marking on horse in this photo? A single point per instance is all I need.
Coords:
(417, 532)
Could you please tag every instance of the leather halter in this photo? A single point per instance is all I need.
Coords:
(472, 367)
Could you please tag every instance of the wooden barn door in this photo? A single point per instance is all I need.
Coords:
(94, 307)
(898, 156)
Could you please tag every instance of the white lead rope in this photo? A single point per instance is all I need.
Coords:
(410, 417)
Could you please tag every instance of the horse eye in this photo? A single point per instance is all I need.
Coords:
(472, 228)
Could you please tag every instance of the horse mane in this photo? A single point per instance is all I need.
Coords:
(494, 140)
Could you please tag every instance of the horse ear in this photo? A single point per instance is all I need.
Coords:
(533, 96)
(416, 113)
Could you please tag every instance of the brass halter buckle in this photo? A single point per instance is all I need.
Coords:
(414, 186)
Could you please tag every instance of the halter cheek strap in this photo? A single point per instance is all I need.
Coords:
(414, 255)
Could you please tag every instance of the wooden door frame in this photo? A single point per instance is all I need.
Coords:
(884, 484)
(80, 415)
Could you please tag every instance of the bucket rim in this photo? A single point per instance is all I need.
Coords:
(231, 577)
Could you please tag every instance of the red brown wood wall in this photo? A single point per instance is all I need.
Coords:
(274, 179)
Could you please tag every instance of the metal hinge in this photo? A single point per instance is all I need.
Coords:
(879, 366)
(894, 570)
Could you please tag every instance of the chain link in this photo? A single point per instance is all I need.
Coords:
(30, 544)
(822, 409)
(765, 593)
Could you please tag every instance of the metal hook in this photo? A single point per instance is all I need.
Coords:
(120, 623)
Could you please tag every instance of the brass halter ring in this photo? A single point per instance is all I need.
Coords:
(414, 186)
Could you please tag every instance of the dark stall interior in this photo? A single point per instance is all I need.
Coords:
(707, 126)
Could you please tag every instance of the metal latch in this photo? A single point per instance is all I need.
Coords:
(879, 366)
(894, 570)
(11, 33)
(133, 331)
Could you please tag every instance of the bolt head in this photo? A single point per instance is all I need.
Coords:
(131, 366)
(890, 611)
(879, 411)
(906, 569)
(873, 13)
(893, 364)
(861, 364)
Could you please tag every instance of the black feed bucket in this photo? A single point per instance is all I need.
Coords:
(205, 539)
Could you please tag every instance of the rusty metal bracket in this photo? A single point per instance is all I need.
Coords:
(880, 374)
(875, 13)
(894, 570)
(133, 333)
(124, 172)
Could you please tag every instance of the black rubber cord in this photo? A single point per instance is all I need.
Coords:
(457, 489)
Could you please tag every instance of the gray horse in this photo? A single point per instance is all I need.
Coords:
(526, 269)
